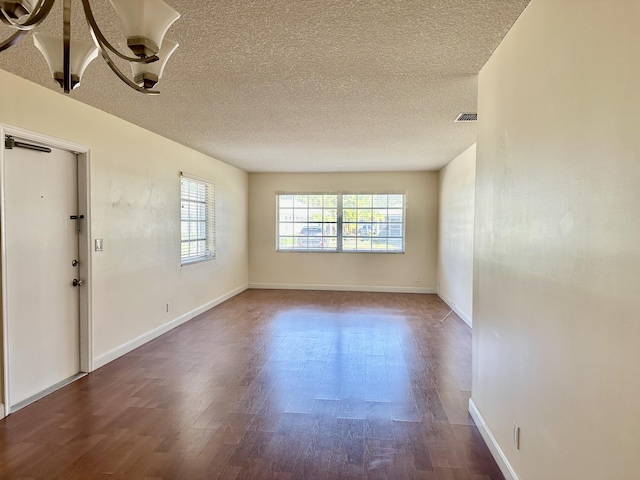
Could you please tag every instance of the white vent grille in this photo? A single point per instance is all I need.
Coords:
(467, 117)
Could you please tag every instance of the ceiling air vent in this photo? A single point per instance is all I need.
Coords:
(467, 117)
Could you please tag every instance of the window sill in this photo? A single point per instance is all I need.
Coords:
(196, 260)
(341, 251)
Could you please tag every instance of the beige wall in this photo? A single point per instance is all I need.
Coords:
(455, 237)
(135, 209)
(557, 263)
(366, 271)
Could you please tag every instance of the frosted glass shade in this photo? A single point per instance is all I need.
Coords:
(81, 55)
(145, 22)
(16, 9)
(147, 75)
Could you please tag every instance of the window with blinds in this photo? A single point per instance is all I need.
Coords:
(344, 222)
(197, 218)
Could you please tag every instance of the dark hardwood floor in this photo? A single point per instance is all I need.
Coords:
(269, 385)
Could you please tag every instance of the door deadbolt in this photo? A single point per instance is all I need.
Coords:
(78, 219)
(75, 263)
(77, 283)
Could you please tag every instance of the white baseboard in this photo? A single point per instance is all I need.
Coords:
(465, 318)
(2, 412)
(340, 288)
(499, 456)
(156, 332)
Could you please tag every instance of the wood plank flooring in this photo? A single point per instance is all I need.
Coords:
(269, 385)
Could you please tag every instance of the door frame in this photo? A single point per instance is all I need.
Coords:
(84, 249)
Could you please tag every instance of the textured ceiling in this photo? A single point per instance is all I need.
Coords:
(304, 85)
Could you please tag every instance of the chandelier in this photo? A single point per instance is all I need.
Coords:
(144, 23)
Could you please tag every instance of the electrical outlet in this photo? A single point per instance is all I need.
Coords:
(417, 277)
(168, 306)
(516, 436)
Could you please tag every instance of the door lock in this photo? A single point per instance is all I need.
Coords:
(75, 263)
(77, 283)
(78, 219)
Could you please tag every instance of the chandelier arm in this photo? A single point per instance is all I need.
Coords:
(13, 39)
(37, 16)
(102, 40)
(66, 45)
(123, 77)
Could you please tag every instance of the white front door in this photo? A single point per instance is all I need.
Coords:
(42, 305)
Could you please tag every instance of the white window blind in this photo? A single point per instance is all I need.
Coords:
(358, 222)
(197, 219)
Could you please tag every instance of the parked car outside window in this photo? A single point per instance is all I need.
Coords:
(310, 231)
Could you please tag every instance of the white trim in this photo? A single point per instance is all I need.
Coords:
(197, 178)
(3, 249)
(44, 139)
(2, 414)
(340, 288)
(465, 318)
(498, 455)
(84, 245)
(117, 352)
(85, 253)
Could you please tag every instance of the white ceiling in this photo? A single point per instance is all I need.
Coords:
(305, 85)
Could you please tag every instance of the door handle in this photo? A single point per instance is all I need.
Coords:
(77, 283)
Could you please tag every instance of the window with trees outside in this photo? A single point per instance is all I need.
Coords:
(341, 222)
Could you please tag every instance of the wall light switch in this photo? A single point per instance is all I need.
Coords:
(99, 247)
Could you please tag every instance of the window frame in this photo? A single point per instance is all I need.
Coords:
(209, 220)
(339, 224)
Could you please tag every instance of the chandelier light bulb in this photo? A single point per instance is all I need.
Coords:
(145, 23)
(17, 9)
(81, 55)
(147, 75)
